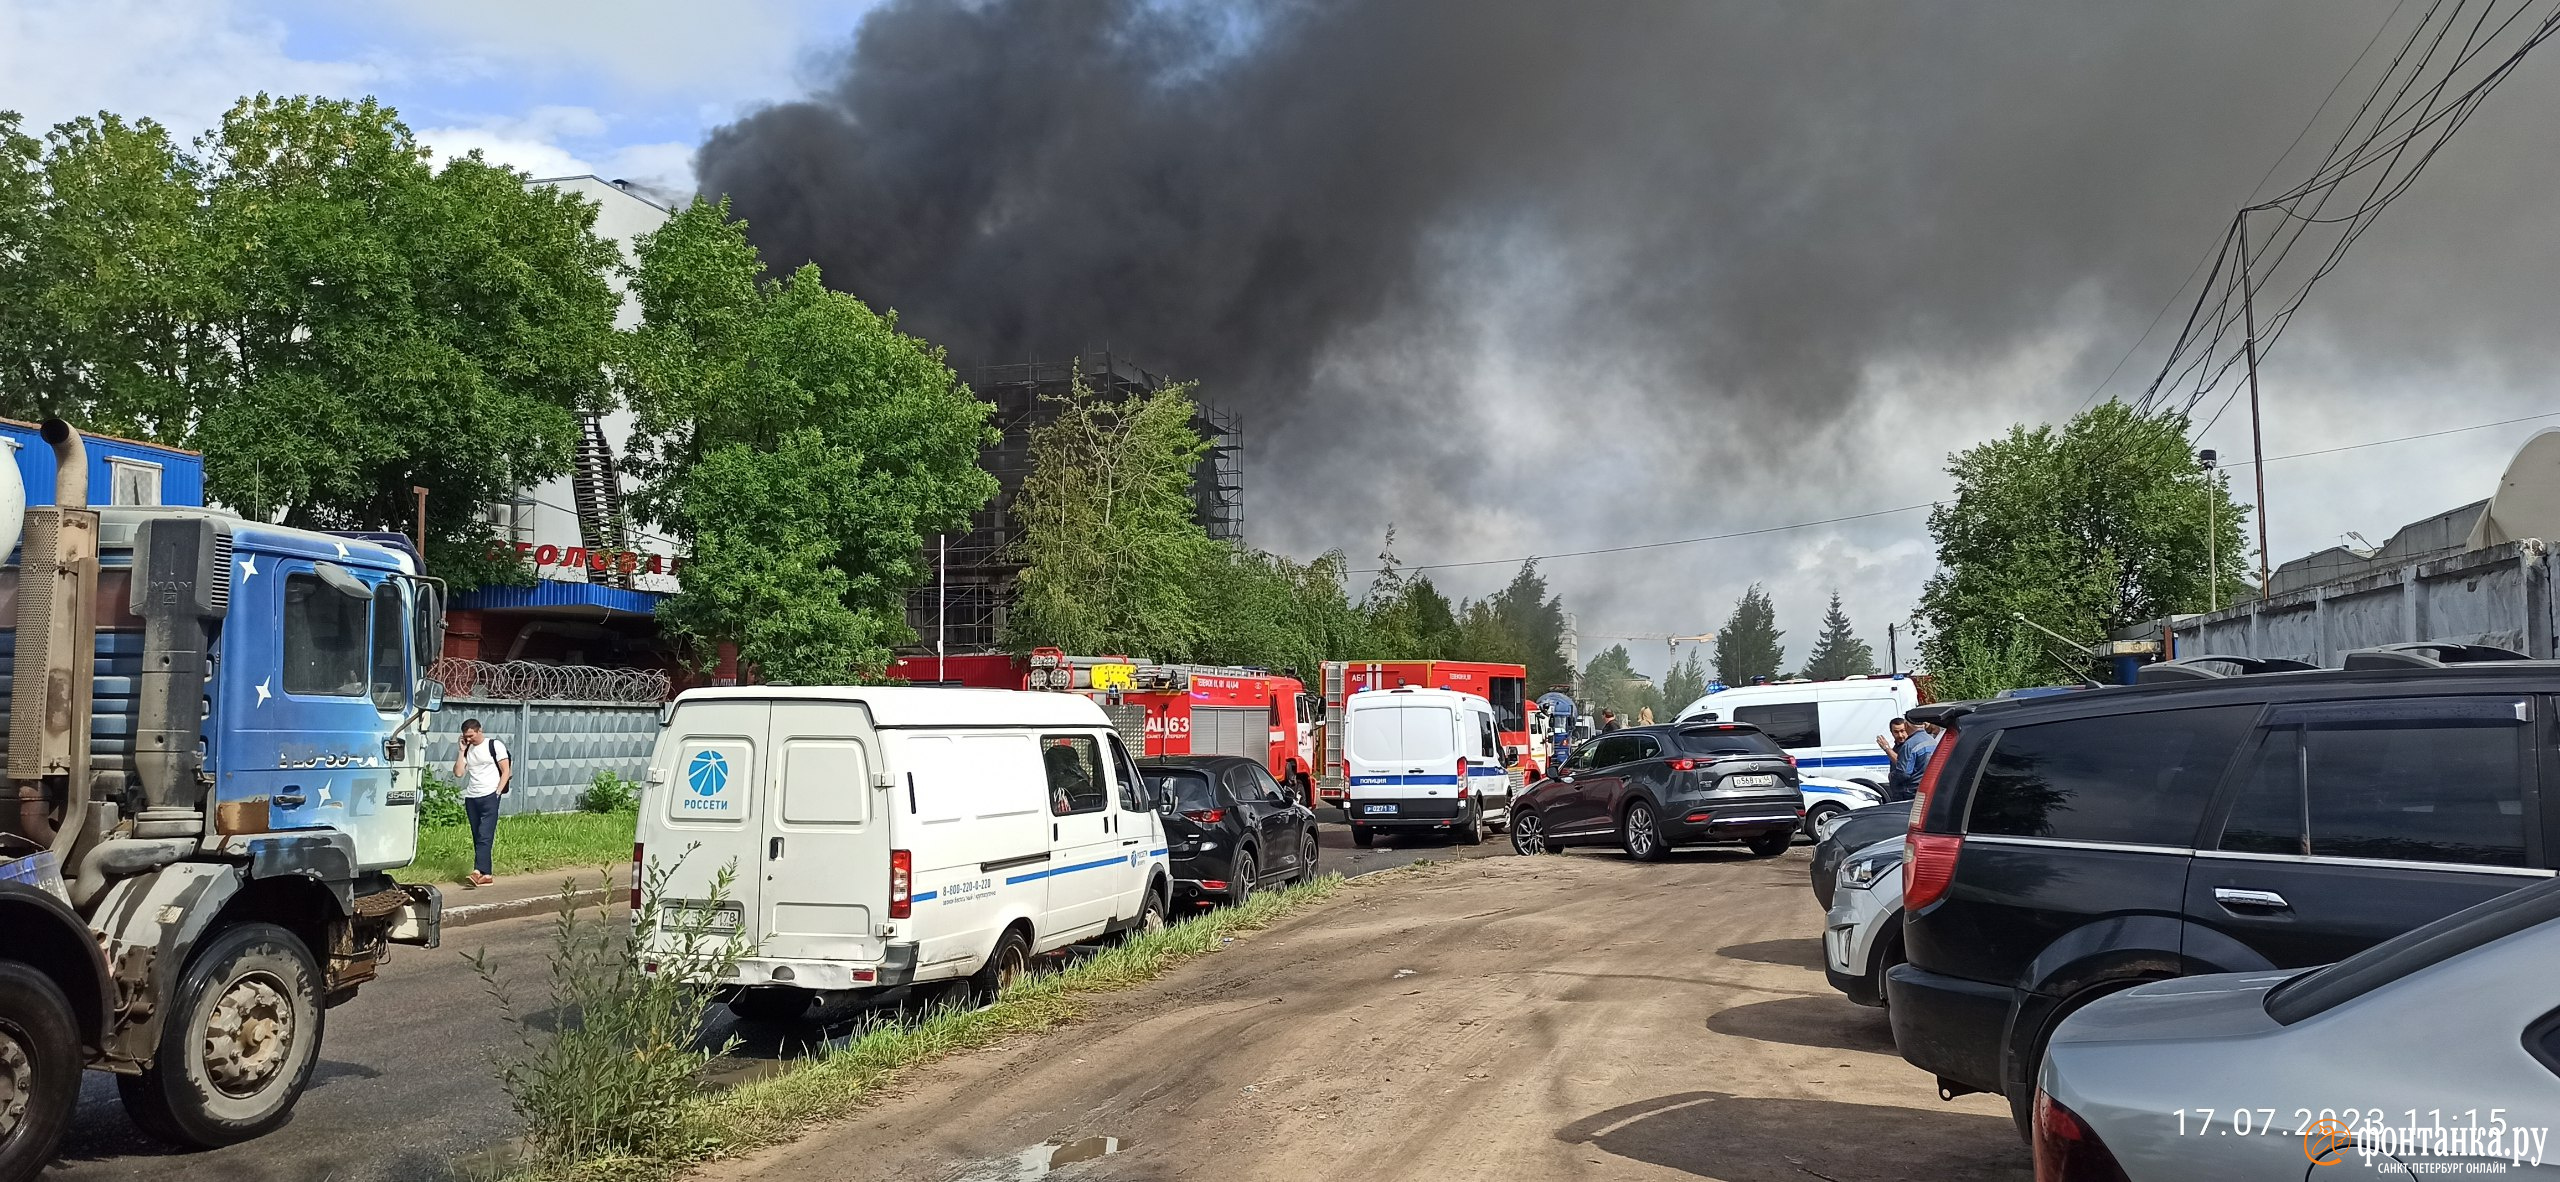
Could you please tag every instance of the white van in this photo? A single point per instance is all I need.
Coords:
(1829, 726)
(888, 836)
(1424, 760)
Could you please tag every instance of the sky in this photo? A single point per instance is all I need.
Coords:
(1725, 268)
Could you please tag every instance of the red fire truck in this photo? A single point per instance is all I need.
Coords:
(1506, 686)
(1161, 709)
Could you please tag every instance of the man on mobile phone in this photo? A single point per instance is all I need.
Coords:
(483, 770)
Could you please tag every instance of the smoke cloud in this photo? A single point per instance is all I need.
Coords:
(1528, 277)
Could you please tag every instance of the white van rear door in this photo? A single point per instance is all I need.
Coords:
(1403, 749)
(704, 814)
(826, 835)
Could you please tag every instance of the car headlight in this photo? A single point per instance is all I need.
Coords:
(1863, 871)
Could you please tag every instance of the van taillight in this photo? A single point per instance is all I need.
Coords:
(1929, 859)
(2067, 1149)
(1462, 779)
(636, 850)
(902, 881)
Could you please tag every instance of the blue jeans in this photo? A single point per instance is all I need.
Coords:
(483, 811)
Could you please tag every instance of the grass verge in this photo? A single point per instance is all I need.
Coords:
(776, 1109)
(528, 843)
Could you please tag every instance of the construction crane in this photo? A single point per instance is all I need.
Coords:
(1674, 641)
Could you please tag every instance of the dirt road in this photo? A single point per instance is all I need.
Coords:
(1573, 1016)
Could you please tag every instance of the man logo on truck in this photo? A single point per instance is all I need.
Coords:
(708, 773)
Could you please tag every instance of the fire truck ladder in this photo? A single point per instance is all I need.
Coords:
(1329, 777)
(596, 481)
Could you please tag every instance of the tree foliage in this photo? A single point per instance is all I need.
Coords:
(1686, 682)
(1110, 550)
(2085, 529)
(799, 444)
(1747, 646)
(1610, 682)
(1838, 652)
(304, 297)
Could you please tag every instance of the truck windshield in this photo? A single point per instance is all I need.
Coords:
(1400, 733)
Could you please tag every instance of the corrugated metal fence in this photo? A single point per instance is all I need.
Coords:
(558, 747)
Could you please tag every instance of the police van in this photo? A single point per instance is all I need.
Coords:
(894, 836)
(1829, 726)
(1427, 760)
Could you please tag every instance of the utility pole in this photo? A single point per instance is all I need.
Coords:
(419, 525)
(2212, 526)
(2257, 428)
(1892, 655)
(941, 590)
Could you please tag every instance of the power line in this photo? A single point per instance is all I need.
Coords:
(2325, 451)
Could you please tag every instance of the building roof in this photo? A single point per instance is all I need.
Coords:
(926, 706)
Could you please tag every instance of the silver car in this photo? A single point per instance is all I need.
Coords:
(1862, 936)
(2434, 1052)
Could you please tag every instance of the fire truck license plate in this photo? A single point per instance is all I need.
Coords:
(1373, 809)
(1755, 781)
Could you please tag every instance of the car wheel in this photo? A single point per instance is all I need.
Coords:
(1008, 963)
(1639, 834)
(771, 1004)
(1158, 915)
(1363, 836)
(1527, 836)
(1818, 821)
(40, 1066)
(1770, 845)
(1471, 832)
(241, 1040)
(1240, 879)
(1306, 858)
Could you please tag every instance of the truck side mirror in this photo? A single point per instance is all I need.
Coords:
(431, 695)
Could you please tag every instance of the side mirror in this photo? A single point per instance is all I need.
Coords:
(431, 695)
(1510, 759)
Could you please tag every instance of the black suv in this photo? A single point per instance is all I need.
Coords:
(1232, 829)
(2065, 848)
(1649, 789)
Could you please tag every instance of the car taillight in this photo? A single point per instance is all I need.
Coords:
(1686, 765)
(902, 881)
(636, 850)
(1205, 816)
(1928, 786)
(2067, 1150)
(1791, 761)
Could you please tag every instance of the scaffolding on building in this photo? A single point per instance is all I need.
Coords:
(964, 605)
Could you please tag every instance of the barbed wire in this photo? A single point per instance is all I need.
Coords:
(530, 681)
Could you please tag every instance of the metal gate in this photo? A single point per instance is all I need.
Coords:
(1227, 730)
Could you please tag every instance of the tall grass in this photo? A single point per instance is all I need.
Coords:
(777, 1108)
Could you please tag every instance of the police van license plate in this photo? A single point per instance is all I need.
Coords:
(1755, 781)
(1375, 809)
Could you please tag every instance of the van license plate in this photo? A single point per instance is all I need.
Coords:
(1375, 809)
(720, 922)
(1755, 781)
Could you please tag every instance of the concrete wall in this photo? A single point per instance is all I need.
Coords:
(558, 747)
(2500, 595)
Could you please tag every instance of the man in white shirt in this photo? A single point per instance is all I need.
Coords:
(483, 770)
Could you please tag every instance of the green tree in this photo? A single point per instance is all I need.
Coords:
(798, 445)
(1277, 613)
(1533, 621)
(1109, 546)
(1838, 652)
(1686, 682)
(1611, 682)
(1747, 646)
(2084, 530)
(1984, 659)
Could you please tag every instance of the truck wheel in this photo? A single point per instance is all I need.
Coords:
(1472, 832)
(1363, 836)
(40, 1067)
(242, 1037)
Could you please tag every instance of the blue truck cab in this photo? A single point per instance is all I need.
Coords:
(214, 743)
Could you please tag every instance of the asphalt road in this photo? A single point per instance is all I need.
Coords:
(406, 1088)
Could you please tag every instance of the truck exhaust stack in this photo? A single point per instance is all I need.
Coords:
(57, 651)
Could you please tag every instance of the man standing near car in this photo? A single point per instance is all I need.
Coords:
(1916, 752)
(1899, 783)
(483, 770)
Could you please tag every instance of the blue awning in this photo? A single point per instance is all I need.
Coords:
(549, 593)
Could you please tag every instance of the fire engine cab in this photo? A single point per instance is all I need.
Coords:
(1161, 709)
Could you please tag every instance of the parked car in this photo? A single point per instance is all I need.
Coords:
(2449, 1025)
(1849, 833)
(1827, 800)
(1829, 726)
(2067, 847)
(1862, 934)
(1231, 828)
(1650, 789)
(838, 814)
(1423, 760)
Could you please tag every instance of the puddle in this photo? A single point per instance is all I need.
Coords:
(1039, 1160)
